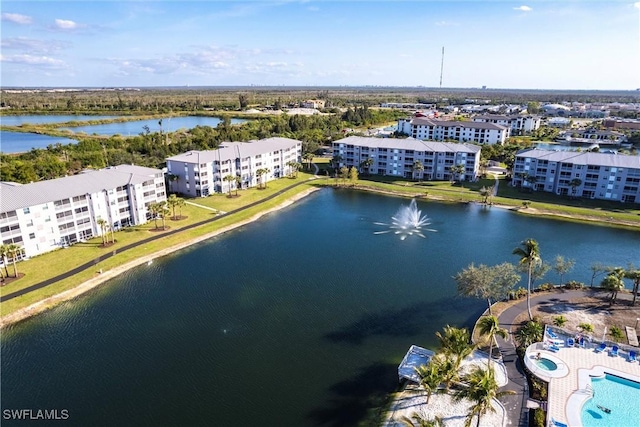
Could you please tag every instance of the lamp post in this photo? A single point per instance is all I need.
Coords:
(637, 319)
(604, 334)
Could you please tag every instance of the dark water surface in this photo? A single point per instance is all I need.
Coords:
(297, 319)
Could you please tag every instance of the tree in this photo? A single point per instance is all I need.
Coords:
(293, 167)
(353, 176)
(155, 209)
(537, 272)
(430, 378)
(529, 333)
(103, 230)
(418, 420)
(455, 343)
(562, 266)
(260, 173)
(13, 251)
(417, 168)
(529, 254)
(366, 164)
(344, 174)
(308, 157)
(335, 161)
(487, 193)
(481, 388)
(575, 183)
(614, 283)
(448, 367)
(633, 274)
(229, 179)
(490, 326)
(4, 253)
(174, 202)
(596, 270)
(487, 282)
(238, 182)
(456, 172)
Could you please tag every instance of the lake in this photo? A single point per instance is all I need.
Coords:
(298, 319)
(135, 127)
(18, 142)
(42, 119)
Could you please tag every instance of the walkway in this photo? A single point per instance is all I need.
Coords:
(93, 262)
(205, 207)
(516, 404)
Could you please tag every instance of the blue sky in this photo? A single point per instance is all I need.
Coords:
(533, 44)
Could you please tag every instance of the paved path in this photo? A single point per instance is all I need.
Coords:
(93, 262)
(204, 207)
(517, 411)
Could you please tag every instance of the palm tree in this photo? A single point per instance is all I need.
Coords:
(633, 274)
(455, 342)
(430, 378)
(259, 174)
(163, 210)
(614, 283)
(238, 180)
(172, 202)
(103, 230)
(308, 157)
(529, 333)
(4, 252)
(481, 388)
(155, 209)
(529, 254)
(575, 183)
(417, 167)
(418, 420)
(448, 368)
(13, 250)
(229, 178)
(367, 163)
(490, 326)
(180, 203)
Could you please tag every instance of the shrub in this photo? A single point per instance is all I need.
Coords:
(539, 418)
(574, 285)
(559, 320)
(545, 287)
(520, 293)
(616, 333)
(587, 327)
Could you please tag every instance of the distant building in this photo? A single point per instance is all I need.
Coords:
(602, 176)
(313, 103)
(200, 173)
(396, 157)
(592, 136)
(440, 130)
(517, 124)
(407, 106)
(623, 124)
(46, 215)
(558, 122)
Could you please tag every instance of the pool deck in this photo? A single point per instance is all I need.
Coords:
(578, 359)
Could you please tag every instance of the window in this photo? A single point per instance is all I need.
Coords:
(26, 210)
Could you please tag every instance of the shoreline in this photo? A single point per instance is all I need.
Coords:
(100, 278)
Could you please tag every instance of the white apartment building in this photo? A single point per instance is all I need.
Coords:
(43, 216)
(602, 175)
(440, 130)
(517, 124)
(200, 173)
(397, 157)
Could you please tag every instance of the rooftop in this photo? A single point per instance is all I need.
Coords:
(583, 158)
(233, 150)
(409, 144)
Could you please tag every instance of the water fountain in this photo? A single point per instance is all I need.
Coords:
(408, 221)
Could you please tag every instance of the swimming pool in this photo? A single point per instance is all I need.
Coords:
(546, 364)
(617, 394)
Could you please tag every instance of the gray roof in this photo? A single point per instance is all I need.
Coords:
(583, 158)
(452, 123)
(409, 144)
(17, 196)
(233, 150)
(492, 117)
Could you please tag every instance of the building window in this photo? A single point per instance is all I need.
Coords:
(26, 210)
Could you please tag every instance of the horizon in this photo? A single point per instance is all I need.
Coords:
(503, 45)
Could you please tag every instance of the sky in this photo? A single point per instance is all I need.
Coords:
(528, 44)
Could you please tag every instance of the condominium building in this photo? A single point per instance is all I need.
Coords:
(439, 130)
(46, 215)
(517, 124)
(599, 175)
(398, 157)
(200, 173)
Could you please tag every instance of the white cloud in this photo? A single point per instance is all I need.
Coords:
(637, 5)
(34, 45)
(523, 8)
(64, 24)
(16, 18)
(38, 61)
(445, 24)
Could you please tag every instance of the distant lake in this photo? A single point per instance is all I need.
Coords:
(17, 142)
(169, 124)
(41, 119)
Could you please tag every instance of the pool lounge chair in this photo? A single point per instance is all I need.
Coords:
(582, 342)
(557, 423)
(632, 356)
(601, 348)
(614, 351)
(554, 348)
(571, 342)
(552, 334)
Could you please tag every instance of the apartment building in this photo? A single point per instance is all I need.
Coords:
(601, 175)
(46, 215)
(200, 173)
(439, 130)
(517, 124)
(396, 157)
